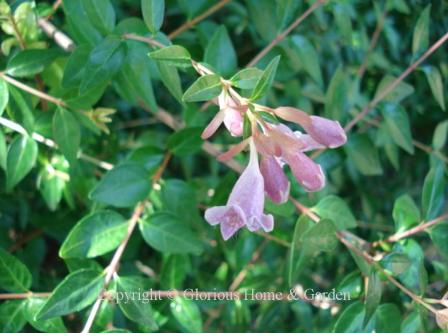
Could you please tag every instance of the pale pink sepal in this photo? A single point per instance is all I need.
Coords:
(235, 149)
(276, 184)
(325, 131)
(213, 126)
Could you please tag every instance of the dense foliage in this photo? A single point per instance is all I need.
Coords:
(107, 110)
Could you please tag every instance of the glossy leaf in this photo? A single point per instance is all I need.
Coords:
(153, 12)
(436, 84)
(174, 55)
(14, 275)
(77, 291)
(420, 40)
(101, 14)
(220, 53)
(405, 213)
(187, 314)
(135, 309)
(336, 209)
(440, 135)
(397, 122)
(12, 316)
(104, 62)
(67, 134)
(364, 155)
(266, 79)
(167, 233)
(31, 62)
(308, 57)
(203, 89)
(22, 154)
(95, 235)
(246, 78)
(53, 325)
(433, 192)
(4, 95)
(373, 296)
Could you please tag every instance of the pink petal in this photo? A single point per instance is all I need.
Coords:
(308, 142)
(292, 114)
(327, 132)
(231, 218)
(235, 149)
(233, 120)
(213, 125)
(308, 173)
(276, 184)
(265, 222)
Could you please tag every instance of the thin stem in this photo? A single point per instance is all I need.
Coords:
(284, 33)
(421, 227)
(392, 86)
(113, 266)
(24, 295)
(189, 24)
(162, 167)
(32, 91)
(17, 32)
(50, 143)
(147, 40)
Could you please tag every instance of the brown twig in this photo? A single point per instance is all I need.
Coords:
(392, 86)
(285, 33)
(189, 24)
(162, 167)
(17, 245)
(23, 295)
(113, 266)
(373, 42)
(419, 228)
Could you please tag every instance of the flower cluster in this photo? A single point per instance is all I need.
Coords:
(278, 145)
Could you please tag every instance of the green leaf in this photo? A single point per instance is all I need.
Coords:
(174, 271)
(123, 186)
(135, 309)
(187, 314)
(433, 194)
(134, 81)
(53, 325)
(397, 122)
(341, 14)
(77, 291)
(400, 92)
(435, 83)
(174, 55)
(334, 208)
(82, 33)
(4, 95)
(246, 78)
(101, 14)
(320, 237)
(364, 155)
(386, 319)
(440, 135)
(22, 154)
(373, 295)
(396, 263)
(21, 108)
(31, 62)
(153, 11)
(405, 213)
(220, 53)
(67, 134)
(75, 67)
(336, 96)
(420, 39)
(96, 234)
(167, 233)
(266, 79)
(439, 236)
(12, 316)
(351, 319)
(309, 58)
(14, 275)
(171, 80)
(415, 277)
(203, 89)
(298, 254)
(186, 141)
(104, 62)
(51, 185)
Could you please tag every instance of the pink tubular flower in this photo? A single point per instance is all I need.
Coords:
(325, 131)
(292, 144)
(276, 184)
(245, 204)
